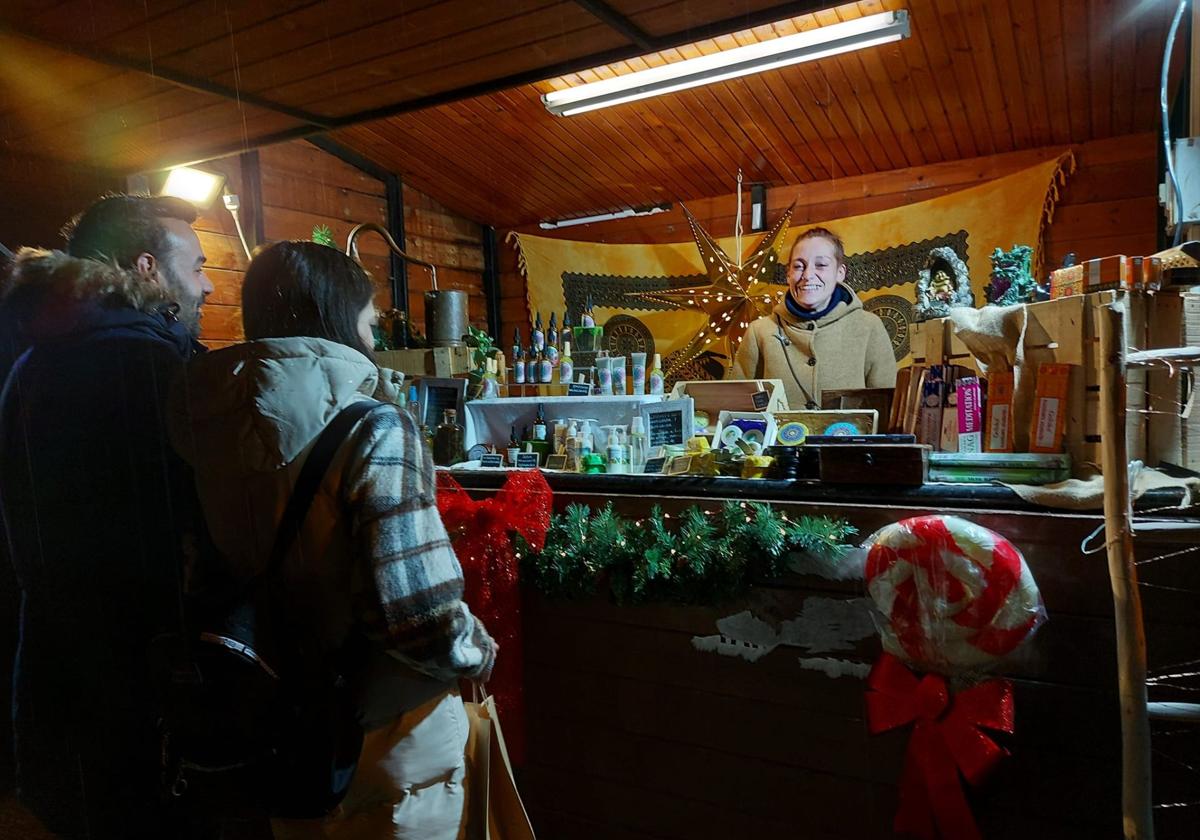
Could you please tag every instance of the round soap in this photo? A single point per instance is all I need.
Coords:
(754, 437)
(841, 429)
(699, 422)
(730, 435)
(792, 433)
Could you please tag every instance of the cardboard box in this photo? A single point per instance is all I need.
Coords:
(1096, 275)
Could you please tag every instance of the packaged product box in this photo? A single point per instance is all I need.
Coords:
(1096, 275)
(1146, 273)
(999, 427)
(970, 415)
(1049, 407)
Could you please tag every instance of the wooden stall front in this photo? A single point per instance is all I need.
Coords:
(427, 118)
(635, 733)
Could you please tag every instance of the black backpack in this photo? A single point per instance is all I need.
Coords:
(255, 720)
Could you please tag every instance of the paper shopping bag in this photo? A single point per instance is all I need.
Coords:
(494, 810)
(478, 757)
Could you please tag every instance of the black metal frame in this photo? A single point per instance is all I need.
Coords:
(686, 36)
(491, 282)
(252, 203)
(166, 74)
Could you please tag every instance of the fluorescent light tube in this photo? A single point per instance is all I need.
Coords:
(605, 217)
(813, 44)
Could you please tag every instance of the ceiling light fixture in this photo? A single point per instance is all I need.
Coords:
(869, 31)
(196, 186)
(606, 217)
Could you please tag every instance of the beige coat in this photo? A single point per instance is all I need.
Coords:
(848, 348)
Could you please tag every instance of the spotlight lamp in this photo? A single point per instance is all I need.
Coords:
(196, 186)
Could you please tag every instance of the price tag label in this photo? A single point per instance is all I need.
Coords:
(579, 389)
(654, 466)
(492, 460)
(527, 460)
(761, 400)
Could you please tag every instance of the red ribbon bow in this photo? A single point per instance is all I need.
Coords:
(481, 532)
(947, 739)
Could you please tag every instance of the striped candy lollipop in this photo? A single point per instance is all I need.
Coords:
(954, 596)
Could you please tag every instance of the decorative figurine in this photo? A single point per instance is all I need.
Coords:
(942, 284)
(1012, 279)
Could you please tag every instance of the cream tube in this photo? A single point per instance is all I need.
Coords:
(618, 375)
(638, 360)
(604, 375)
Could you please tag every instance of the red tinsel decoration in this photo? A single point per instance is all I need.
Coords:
(947, 740)
(481, 532)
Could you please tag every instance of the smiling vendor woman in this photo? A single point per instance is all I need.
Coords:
(820, 337)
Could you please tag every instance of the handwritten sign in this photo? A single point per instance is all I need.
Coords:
(666, 428)
(761, 400)
(579, 389)
(654, 466)
(492, 461)
(527, 460)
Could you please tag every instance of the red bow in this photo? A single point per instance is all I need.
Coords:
(946, 740)
(481, 532)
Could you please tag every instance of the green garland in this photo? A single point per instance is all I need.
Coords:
(707, 558)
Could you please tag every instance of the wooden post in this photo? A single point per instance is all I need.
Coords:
(1136, 802)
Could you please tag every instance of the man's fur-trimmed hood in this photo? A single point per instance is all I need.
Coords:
(54, 275)
(53, 296)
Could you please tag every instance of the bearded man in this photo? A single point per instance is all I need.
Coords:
(94, 504)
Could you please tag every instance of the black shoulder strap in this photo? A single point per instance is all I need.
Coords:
(311, 475)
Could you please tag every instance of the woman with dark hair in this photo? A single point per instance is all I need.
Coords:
(372, 557)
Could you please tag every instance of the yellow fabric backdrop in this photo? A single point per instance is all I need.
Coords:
(999, 214)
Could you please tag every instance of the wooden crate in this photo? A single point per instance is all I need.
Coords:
(1174, 322)
(1064, 331)
(440, 362)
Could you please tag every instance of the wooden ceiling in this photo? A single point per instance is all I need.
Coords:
(977, 77)
(139, 85)
(136, 86)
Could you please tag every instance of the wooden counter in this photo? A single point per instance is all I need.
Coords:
(634, 733)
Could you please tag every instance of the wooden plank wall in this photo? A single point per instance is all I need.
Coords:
(226, 260)
(303, 186)
(1108, 207)
(454, 244)
(41, 195)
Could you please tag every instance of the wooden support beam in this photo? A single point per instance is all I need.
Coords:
(1136, 801)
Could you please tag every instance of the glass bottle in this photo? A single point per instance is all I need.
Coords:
(514, 446)
(552, 341)
(539, 423)
(566, 366)
(448, 440)
(538, 340)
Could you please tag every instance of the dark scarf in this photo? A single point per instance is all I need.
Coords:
(840, 295)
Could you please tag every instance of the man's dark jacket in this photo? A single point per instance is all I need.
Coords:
(94, 502)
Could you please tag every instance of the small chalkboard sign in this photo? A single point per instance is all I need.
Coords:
(492, 460)
(579, 389)
(665, 428)
(668, 423)
(654, 466)
(761, 400)
(556, 462)
(679, 465)
(437, 395)
(527, 460)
